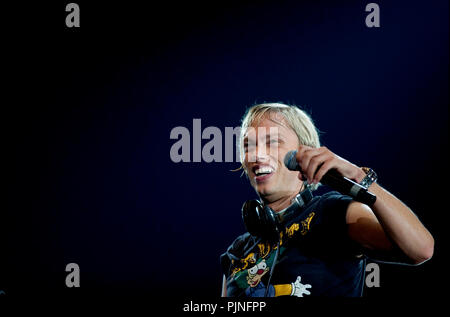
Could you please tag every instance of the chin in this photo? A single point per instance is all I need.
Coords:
(263, 190)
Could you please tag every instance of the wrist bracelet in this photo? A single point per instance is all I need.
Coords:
(370, 178)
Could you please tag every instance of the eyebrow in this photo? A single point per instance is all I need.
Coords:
(268, 136)
(278, 136)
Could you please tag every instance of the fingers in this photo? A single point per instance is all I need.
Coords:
(323, 170)
(303, 156)
(315, 163)
(312, 161)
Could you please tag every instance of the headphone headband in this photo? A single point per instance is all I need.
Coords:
(261, 221)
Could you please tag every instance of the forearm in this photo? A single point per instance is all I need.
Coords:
(402, 226)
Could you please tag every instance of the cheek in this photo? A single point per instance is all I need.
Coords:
(290, 176)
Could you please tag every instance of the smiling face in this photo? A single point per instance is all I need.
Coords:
(266, 143)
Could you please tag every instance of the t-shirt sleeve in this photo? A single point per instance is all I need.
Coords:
(333, 225)
(334, 232)
(334, 211)
(235, 251)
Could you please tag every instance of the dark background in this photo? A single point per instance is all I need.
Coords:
(88, 113)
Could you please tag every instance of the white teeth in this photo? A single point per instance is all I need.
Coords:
(263, 170)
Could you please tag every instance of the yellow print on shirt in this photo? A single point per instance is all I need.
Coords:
(292, 229)
(296, 226)
(306, 223)
(264, 249)
(250, 259)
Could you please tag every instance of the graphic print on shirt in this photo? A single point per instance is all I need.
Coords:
(257, 288)
(249, 274)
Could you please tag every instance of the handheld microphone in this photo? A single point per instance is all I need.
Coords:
(336, 181)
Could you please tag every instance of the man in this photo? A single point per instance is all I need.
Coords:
(322, 242)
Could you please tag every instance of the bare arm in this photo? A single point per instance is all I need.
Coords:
(388, 222)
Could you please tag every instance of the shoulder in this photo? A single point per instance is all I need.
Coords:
(240, 245)
(332, 198)
(331, 201)
(331, 207)
(330, 227)
(237, 249)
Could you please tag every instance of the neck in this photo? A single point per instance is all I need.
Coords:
(282, 202)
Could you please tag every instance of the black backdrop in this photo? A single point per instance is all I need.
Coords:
(88, 113)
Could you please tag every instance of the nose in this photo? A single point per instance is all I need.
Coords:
(258, 155)
(260, 271)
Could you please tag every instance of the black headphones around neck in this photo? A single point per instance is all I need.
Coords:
(261, 221)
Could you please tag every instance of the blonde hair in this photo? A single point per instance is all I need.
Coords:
(297, 120)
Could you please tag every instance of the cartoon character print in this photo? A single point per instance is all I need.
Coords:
(256, 272)
(257, 288)
(298, 289)
(249, 274)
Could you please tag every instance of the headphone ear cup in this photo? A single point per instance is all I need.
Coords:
(260, 221)
(251, 216)
(270, 225)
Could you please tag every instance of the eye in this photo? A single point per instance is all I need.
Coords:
(275, 142)
(262, 265)
(249, 146)
(253, 270)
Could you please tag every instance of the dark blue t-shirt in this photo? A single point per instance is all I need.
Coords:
(316, 256)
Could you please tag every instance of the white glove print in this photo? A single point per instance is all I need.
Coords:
(298, 289)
